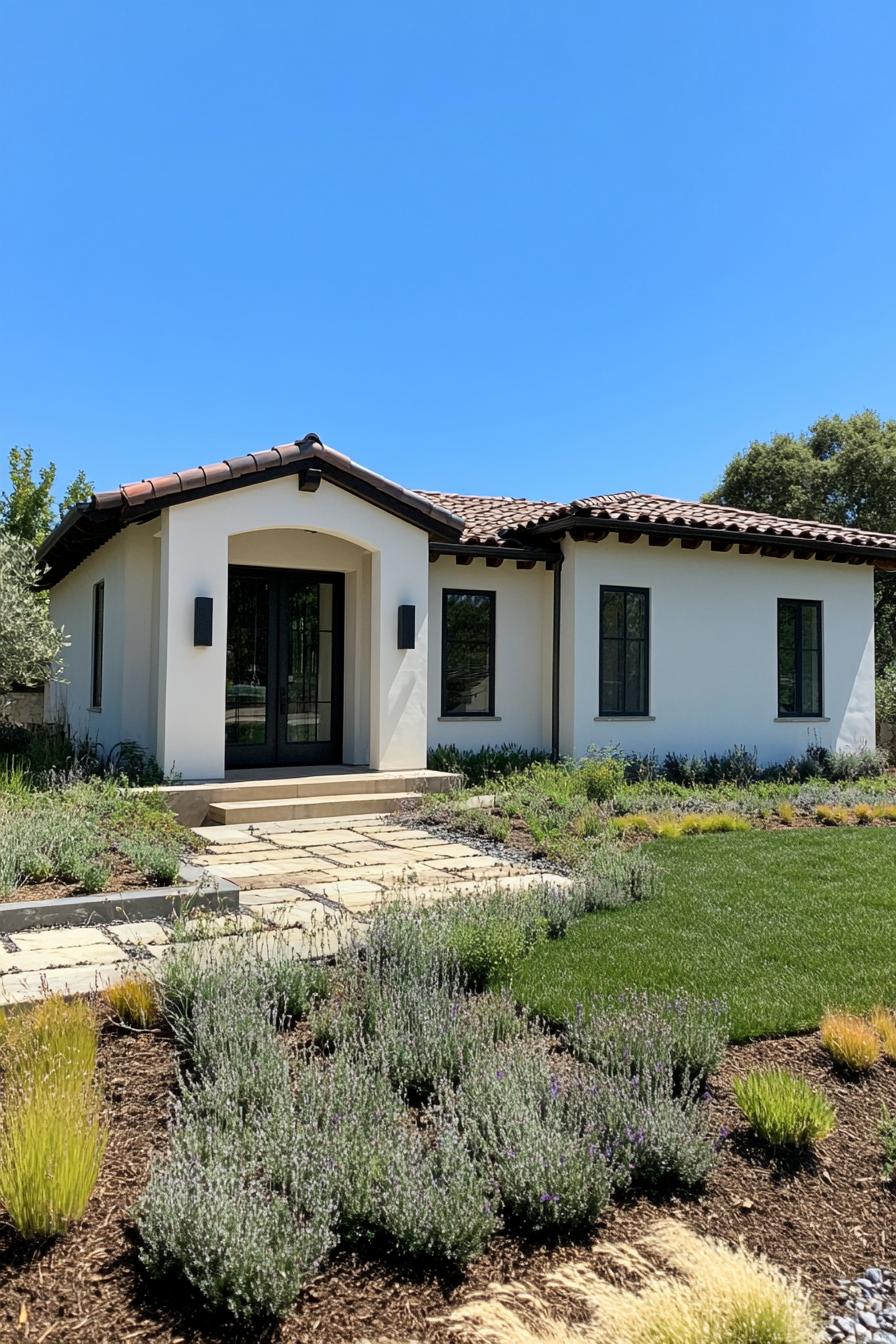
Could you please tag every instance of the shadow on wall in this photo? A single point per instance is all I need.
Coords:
(23, 706)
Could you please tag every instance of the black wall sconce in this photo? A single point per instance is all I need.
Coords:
(309, 478)
(202, 622)
(407, 635)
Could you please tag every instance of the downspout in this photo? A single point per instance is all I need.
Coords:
(555, 664)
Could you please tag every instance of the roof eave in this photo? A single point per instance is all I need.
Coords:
(882, 555)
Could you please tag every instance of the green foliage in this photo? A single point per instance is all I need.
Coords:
(841, 471)
(80, 489)
(157, 858)
(30, 644)
(783, 1110)
(72, 833)
(26, 510)
(600, 778)
(483, 764)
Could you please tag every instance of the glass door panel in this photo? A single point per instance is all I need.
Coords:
(284, 682)
(311, 669)
(248, 675)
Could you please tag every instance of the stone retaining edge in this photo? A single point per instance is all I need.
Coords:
(221, 897)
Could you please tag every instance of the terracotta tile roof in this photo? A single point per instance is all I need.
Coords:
(162, 488)
(492, 519)
(630, 506)
(474, 520)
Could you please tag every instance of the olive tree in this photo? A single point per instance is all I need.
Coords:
(30, 644)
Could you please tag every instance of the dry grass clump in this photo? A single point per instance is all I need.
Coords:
(668, 826)
(863, 813)
(692, 1290)
(134, 1001)
(832, 816)
(786, 813)
(883, 1020)
(850, 1041)
(52, 1135)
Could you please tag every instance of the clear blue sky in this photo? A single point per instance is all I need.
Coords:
(516, 248)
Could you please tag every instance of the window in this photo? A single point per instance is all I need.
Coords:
(799, 659)
(624, 633)
(468, 653)
(96, 662)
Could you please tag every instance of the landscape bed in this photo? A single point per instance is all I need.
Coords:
(488, 1087)
(824, 1219)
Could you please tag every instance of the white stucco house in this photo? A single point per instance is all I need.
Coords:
(292, 608)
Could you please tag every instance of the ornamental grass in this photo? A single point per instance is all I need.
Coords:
(850, 1041)
(134, 1002)
(53, 1136)
(783, 1110)
(692, 1290)
(883, 1020)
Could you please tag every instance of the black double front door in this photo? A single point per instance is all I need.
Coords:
(284, 667)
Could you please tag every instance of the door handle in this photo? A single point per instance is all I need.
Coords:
(282, 699)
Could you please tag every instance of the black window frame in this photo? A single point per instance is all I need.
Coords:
(799, 604)
(491, 595)
(96, 645)
(604, 711)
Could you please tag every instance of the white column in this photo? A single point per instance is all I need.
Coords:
(191, 680)
(398, 676)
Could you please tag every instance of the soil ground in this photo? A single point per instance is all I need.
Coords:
(825, 1219)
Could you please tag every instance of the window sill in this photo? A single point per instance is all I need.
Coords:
(625, 718)
(469, 718)
(800, 718)
(94, 709)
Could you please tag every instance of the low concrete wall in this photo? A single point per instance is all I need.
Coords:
(23, 707)
(222, 897)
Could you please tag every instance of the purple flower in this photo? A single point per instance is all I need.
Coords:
(548, 1199)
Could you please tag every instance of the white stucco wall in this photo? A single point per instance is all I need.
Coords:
(128, 567)
(194, 560)
(523, 626)
(713, 649)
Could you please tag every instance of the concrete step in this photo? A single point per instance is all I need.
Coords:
(313, 785)
(295, 809)
(193, 804)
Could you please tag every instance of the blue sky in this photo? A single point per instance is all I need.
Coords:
(543, 249)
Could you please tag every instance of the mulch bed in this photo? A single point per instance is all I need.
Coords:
(123, 877)
(830, 1218)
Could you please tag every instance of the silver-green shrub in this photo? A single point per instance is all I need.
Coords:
(540, 1137)
(630, 1033)
(210, 1216)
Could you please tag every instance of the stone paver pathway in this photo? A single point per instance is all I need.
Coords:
(303, 883)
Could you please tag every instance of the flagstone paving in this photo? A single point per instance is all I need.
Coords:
(303, 883)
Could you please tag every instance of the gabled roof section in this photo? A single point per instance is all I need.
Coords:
(494, 520)
(89, 525)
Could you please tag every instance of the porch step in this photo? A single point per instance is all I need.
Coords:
(295, 809)
(285, 795)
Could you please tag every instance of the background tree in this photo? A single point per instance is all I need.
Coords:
(80, 489)
(839, 471)
(26, 509)
(29, 642)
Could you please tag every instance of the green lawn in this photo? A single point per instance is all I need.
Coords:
(782, 923)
